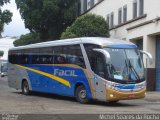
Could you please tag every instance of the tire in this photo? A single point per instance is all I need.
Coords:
(25, 88)
(81, 94)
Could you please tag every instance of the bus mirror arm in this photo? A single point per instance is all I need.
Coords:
(105, 53)
(148, 55)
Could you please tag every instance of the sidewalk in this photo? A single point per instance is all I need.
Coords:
(152, 96)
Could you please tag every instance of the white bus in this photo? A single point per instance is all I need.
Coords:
(87, 68)
(4, 69)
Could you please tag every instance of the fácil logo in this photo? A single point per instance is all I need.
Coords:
(71, 73)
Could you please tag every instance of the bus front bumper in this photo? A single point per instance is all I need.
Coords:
(113, 95)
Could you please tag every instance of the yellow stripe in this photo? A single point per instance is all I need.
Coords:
(63, 65)
(61, 80)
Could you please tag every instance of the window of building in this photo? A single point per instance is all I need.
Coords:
(139, 44)
(134, 8)
(141, 7)
(84, 6)
(112, 20)
(120, 16)
(99, 1)
(125, 13)
(108, 19)
(91, 3)
(78, 4)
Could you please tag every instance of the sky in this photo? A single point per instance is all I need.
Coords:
(5, 44)
(16, 27)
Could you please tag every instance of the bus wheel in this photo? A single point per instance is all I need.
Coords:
(81, 94)
(25, 88)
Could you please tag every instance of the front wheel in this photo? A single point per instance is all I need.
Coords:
(25, 88)
(81, 94)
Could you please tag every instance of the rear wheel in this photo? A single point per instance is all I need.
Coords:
(81, 94)
(25, 88)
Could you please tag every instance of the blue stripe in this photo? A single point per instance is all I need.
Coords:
(122, 46)
(44, 84)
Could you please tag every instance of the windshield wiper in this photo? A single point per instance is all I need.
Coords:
(133, 69)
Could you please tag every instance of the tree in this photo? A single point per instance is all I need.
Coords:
(89, 25)
(1, 53)
(5, 16)
(48, 18)
(29, 38)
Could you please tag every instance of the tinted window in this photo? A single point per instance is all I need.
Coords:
(70, 54)
(45, 55)
(12, 57)
(100, 67)
(91, 54)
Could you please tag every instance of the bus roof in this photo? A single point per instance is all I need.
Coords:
(104, 42)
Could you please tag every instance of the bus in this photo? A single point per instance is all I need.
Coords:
(86, 68)
(4, 69)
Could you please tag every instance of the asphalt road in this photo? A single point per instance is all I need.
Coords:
(14, 102)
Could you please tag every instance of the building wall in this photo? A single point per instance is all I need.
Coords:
(144, 27)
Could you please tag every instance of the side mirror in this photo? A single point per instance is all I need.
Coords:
(148, 55)
(105, 53)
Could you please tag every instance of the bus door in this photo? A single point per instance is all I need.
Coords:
(99, 76)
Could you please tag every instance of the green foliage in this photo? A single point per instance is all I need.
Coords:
(2, 2)
(29, 38)
(48, 18)
(89, 25)
(1, 53)
(5, 16)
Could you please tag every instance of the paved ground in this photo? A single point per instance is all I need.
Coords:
(12, 101)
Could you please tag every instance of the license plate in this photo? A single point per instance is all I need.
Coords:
(131, 96)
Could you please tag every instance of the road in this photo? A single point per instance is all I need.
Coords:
(12, 101)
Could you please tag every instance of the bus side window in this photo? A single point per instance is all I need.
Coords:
(61, 60)
(76, 60)
(24, 59)
(91, 54)
(46, 55)
(100, 65)
(35, 59)
(12, 57)
(76, 53)
(69, 54)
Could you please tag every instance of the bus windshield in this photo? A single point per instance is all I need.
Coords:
(126, 64)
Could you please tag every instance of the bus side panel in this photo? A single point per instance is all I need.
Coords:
(44, 79)
(16, 75)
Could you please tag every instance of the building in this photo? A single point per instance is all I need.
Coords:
(137, 21)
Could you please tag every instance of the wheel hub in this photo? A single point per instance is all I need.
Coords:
(82, 94)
